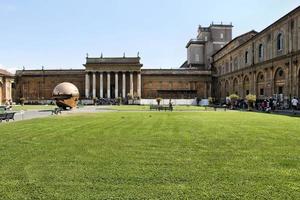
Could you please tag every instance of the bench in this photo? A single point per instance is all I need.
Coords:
(159, 108)
(7, 116)
(153, 107)
(56, 111)
(215, 107)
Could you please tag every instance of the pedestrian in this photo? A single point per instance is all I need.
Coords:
(170, 105)
(294, 104)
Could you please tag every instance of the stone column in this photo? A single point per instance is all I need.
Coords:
(271, 81)
(139, 85)
(94, 85)
(254, 83)
(124, 85)
(87, 86)
(101, 85)
(290, 93)
(209, 90)
(131, 84)
(108, 85)
(295, 80)
(205, 90)
(116, 85)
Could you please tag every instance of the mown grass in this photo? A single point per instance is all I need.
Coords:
(147, 108)
(151, 155)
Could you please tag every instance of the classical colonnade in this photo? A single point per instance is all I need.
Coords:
(107, 84)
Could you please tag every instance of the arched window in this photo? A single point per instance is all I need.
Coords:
(260, 51)
(279, 42)
(246, 57)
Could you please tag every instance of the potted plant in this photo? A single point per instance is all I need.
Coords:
(95, 100)
(119, 100)
(136, 99)
(130, 98)
(251, 99)
(158, 100)
(22, 100)
(210, 100)
(233, 100)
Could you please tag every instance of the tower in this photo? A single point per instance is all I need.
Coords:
(209, 40)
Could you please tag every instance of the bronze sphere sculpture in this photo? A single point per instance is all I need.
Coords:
(66, 95)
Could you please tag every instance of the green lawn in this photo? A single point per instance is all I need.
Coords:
(147, 108)
(151, 155)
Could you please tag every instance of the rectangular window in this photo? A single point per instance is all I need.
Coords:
(280, 90)
(221, 35)
(262, 92)
(197, 58)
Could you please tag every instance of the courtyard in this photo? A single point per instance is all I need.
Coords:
(132, 153)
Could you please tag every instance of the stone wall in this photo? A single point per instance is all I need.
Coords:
(176, 84)
(6, 87)
(266, 65)
(38, 85)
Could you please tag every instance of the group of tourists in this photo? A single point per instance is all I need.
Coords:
(272, 104)
(266, 105)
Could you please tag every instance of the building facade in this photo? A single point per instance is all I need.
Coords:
(265, 64)
(112, 78)
(6, 86)
(209, 40)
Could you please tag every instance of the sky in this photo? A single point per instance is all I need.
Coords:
(59, 33)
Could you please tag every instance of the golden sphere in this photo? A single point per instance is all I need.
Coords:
(66, 89)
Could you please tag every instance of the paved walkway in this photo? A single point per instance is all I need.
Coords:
(287, 112)
(32, 114)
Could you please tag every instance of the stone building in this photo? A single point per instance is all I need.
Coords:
(36, 86)
(265, 63)
(209, 40)
(105, 77)
(6, 86)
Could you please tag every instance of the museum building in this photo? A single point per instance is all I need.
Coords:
(262, 63)
(113, 77)
(265, 64)
(6, 86)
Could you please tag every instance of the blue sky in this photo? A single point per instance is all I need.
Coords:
(59, 33)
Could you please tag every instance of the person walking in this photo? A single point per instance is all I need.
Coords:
(170, 105)
(294, 104)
